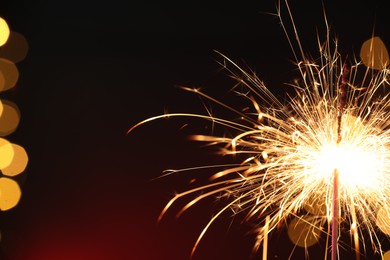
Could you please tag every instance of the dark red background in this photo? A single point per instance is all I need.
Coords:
(94, 69)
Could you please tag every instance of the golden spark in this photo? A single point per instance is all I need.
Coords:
(332, 135)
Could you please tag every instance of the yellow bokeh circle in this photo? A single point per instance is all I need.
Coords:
(383, 219)
(9, 193)
(9, 118)
(4, 32)
(6, 153)
(302, 232)
(18, 163)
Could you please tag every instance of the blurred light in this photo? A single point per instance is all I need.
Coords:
(15, 49)
(10, 193)
(383, 220)
(374, 54)
(302, 232)
(2, 80)
(386, 256)
(6, 154)
(13, 158)
(10, 74)
(4, 32)
(18, 163)
(9, 119)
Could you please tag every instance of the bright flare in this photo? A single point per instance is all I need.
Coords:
(360, 158)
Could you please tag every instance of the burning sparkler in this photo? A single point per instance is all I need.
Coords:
(320, 159)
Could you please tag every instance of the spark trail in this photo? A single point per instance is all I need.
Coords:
(328, 146)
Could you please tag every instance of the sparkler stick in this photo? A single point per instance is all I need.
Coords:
(335, 201)
(335, 214)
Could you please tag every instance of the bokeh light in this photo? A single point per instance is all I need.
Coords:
(1, 106)
(302, 232)
(15, 49)
(374, 54)
(10, 193)
(6, 154)
(4, 32)
(386, 256)
(383, 220)
(13, 158)
(2, 80)
(9, 119)
(18, 163)
(9, 74)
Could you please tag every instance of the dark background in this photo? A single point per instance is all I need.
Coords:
(94, 69)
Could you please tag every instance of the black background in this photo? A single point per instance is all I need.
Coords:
(94, 69)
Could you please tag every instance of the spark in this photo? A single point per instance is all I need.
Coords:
(290, 151)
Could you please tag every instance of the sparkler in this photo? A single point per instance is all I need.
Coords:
(327, 146)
